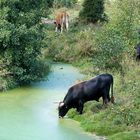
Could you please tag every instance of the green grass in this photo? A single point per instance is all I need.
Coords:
(120, 121)
(128, 135)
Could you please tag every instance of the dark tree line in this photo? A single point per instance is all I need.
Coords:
(93, 11)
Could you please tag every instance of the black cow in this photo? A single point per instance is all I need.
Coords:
(138, 52)
(86, 91)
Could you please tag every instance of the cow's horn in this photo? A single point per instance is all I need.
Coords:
(61, 104)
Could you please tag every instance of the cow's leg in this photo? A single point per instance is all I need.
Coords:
(108, 96)
(67, 25)
(56, 29)
(80, 107)
(138, 58)
(105, 100)
(62, 26)
(105, 96)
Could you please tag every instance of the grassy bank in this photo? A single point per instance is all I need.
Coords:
(104, 48)
(121, 120)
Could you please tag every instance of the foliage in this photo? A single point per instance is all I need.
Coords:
(128, 23)
(21, 38)
(111, 47)
(64, 3)
(93, 11)
(118, 37)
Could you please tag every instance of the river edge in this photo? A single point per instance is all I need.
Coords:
(79, 69)
(21, 95)
(81, 129)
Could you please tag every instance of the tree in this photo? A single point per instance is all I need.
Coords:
(64, 3)
(93, 11)
(21, 38)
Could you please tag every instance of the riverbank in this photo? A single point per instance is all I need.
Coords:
(7, 80)
(119, 121)
(105, 48)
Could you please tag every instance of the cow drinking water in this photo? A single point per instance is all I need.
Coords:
(86, 91)
(61, 21)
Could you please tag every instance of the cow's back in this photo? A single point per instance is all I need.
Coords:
(98, 83)
(61, 17)
(58, 18)
(108, 78)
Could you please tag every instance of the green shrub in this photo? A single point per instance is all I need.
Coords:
(127, 22)
(118, 38)
(110, 44)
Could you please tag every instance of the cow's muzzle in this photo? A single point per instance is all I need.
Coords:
(60, 117)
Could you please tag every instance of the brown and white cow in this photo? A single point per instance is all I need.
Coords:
(61, 21)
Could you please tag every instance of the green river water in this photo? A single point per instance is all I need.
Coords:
(30, 113)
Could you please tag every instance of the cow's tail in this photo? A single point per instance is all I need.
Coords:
(112, 97)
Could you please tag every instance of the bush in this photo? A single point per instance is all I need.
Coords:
(127, 22)
(21, 38)
(117, 39)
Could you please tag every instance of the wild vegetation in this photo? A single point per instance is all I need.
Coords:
(107, 47)
(21, 41)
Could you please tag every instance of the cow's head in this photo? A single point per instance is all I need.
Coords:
(54, 22)
(58, 26)
(62, 109)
